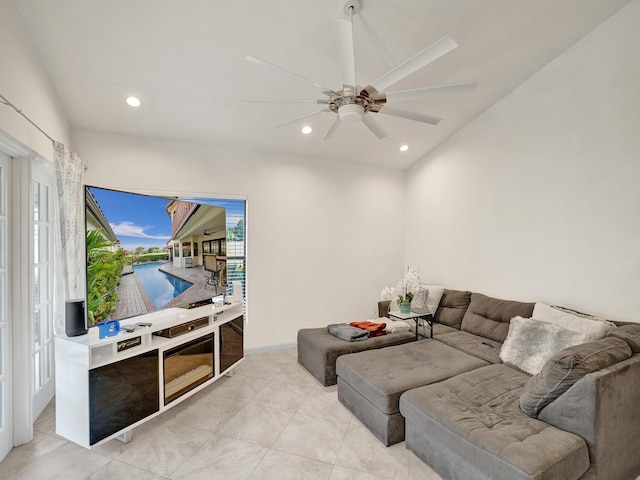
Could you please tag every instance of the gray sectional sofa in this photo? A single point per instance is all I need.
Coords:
(471, 416)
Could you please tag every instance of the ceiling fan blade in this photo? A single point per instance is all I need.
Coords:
(420, 93)
(374, 126)
(344, 39)
(332, 129)
(302, 118)
(421, 59)
(418, 117)
(374, 39)
(295, 76)
(244, 102)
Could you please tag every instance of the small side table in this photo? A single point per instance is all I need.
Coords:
(416, 317)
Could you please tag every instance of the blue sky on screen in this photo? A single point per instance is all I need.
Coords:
(137, 220)
(142, 221)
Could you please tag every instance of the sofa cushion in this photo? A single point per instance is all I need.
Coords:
(440, 329)
(531, 342)
(489, 317)
(383, 308)
(576, 321)
(471, 344)
(453, 305)
(477, 416)
(630, 333)
(567, 367)
(381, 376)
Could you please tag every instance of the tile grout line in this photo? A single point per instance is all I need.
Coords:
(190, 456)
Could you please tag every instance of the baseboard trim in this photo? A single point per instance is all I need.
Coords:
(270, 348)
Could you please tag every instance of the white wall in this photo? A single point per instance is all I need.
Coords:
(25, 83)
(538, 199)
(323, 237)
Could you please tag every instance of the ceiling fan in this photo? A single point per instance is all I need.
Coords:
(352, 103)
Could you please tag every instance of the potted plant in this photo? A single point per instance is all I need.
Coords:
(404, 302)
(405, 291)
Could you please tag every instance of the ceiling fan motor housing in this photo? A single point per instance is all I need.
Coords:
(352, 4)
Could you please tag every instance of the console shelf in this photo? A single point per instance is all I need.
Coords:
(107, 386)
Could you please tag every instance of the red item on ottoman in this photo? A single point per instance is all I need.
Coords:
(374, 329)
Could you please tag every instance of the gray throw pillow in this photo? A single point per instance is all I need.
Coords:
(567, 367)
(630, 334)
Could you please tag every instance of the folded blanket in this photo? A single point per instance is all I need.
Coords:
(374, 329)
(397, 326)
(347, 332)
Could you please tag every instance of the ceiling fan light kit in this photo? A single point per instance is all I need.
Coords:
(352, 104)
(351, 113)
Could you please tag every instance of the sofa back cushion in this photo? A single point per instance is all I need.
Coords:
(383, 308)
(489, 317)
(567, 367)
(453, 306)
(630, 333)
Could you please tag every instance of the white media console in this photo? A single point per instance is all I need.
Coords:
(106, 387)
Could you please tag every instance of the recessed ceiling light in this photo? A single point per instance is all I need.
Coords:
(133, 101)
(404, 148)
(307, 130)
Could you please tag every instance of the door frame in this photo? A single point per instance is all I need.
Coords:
(7, 430)
(20, 299)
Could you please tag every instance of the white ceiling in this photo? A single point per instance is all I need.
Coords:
(185, 60)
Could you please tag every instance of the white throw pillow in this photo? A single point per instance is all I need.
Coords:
(393, 306)
(434, 297)
(573, 322)
(420, 298)
(531, 342)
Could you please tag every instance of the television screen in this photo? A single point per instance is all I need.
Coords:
(147, 253)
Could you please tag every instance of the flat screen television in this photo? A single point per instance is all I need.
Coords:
(146, 253)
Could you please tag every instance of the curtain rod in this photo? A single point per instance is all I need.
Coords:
(8, 103)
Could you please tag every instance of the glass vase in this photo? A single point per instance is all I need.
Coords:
(405, 307)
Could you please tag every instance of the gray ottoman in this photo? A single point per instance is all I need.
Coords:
(318, 350)
(368, 389)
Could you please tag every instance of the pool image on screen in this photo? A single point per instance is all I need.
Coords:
(162, 287)
(147, 253)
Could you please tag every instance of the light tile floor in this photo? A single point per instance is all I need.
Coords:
(270, 420)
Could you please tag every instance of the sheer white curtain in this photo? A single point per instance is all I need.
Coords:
(69, 242)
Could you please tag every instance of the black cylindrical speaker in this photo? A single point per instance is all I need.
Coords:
(74, 318)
